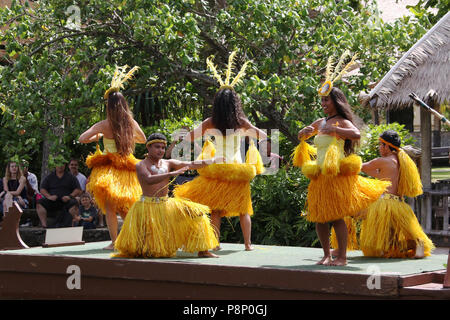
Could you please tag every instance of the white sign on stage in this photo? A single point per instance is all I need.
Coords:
(63, 237)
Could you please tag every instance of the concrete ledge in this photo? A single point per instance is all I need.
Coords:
(35, 236)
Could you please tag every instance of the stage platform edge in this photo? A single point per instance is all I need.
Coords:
(268, 273)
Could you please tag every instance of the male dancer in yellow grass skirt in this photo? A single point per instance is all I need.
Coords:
(158, 225)
(390, 228)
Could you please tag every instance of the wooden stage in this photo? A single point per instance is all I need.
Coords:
(267, 273)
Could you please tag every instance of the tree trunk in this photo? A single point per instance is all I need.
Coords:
(425, 169)
(57, 132)
(45, 147)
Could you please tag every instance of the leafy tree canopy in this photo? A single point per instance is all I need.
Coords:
(60, 60)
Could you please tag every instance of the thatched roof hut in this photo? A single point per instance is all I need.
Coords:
(424, 70)
(425, 67)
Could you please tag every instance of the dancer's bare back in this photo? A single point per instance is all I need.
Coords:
(384, 168)
(103, 128)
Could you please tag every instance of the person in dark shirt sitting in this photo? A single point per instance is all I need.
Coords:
(87, 213)
(59, 189)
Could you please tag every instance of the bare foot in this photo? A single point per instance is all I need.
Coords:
(420, 251)
(207, 254)
(249, 247)
(217, 248)
(325, 261)
(338, 262)
(109, 247)
(335, 252)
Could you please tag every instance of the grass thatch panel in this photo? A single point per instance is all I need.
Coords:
(425, 67)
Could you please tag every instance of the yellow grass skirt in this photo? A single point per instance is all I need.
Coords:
(222, 187)
(158, 227)
(333, 197)
(113, 179)
(389, 229)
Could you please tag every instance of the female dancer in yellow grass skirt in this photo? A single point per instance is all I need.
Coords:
(157, 225)
(225, 188)
(113, 181)
(336, 189)
(390, 228)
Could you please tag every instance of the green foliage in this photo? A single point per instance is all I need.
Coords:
(369, 139)
(58, 160)
(53, 77)
(278, 201)
(167, 127)
(422, 9)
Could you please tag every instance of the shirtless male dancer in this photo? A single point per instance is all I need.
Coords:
(181, 223)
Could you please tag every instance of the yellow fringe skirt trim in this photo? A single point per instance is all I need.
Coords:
(335, 197)
(409, 182)
(159, 226)
(222, 187)
(113, 179)
(391, 230)
(303, 153)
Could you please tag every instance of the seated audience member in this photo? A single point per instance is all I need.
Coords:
(13, 187)
(73, 167)
(99, 222)
(59, 189)
(31, 184)
(87, 212)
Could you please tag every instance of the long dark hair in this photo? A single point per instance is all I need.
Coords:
(121, 120)
(345, 111)
(227, 110)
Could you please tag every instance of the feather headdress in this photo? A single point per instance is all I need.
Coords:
(333, 74)
(120, 76)
(227, 84)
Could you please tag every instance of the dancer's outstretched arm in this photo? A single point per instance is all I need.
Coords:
(309, 131)
(150, 178)
(92, 134)
(193, 165)
(139, 135)
(345, 130)
(375, 167)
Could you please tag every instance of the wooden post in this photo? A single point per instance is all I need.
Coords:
(437, 122)
(425, 168)
(445, 207)
(447, 274)
(9, 234)
(375, 116)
